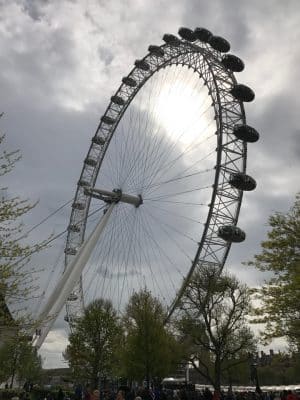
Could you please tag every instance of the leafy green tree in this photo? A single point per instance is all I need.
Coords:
(213, 324)
(279, 297)
(281, 369)
(17, 280)
(150, 350)
(19, 359)
(94, 343)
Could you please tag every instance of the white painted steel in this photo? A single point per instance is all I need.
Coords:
(118, 195)
(69, 279)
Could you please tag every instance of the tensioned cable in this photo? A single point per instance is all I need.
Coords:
(120, 237)
(108, 248)
(168, 165)
(185, 170)
(139, 117)
(178, 245)
(189, 148)
(132, 130)
(158, 248)
(126, 263)
(174, 229)
(155, 92)
(138, 132)
(146, 247)
(160, 168)
(102, 244)
(162, 80)
(49, 280)
(178, 193)
(116, 244)
(139, 274)
(51, 240)
(45, 219)
(100, 254)
(178, 215)
(196, 119)
(50, 276)
(141, 277)
(135, 255)
(180, 202)
(180, 177)
(138, 114)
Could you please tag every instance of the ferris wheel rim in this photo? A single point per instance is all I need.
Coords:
(176, 52)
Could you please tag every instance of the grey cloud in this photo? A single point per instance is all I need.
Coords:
(227, 19)
(33, 8)
(106, 55)
(295, 136)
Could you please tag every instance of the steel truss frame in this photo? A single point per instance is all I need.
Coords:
(231, 155)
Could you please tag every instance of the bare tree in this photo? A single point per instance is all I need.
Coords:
(213, 323)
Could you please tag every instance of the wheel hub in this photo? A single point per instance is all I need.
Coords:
(115, 196)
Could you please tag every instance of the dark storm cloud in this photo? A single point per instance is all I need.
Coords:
(33, 8)
(106, 55)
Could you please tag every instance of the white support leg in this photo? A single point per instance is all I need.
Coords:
(69, 279)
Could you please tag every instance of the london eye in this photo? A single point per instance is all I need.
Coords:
(164, 174)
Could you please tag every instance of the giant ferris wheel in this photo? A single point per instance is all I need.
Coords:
(162, 183)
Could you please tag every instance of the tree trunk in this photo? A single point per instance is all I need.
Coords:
(14, 369)
(95, 378)
(217, 384)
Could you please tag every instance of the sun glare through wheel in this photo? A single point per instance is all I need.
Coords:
(170, 153)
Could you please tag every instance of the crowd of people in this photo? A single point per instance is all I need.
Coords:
(160, 393)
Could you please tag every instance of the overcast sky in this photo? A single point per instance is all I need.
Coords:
(61, 60)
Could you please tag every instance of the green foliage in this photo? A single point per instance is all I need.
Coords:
(213, 325)
(150, 350)
(279, 296)
(19, 359)
(17, 281)
(94, 343)
(283, 369)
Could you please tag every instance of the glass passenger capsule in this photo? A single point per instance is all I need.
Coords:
(156, 50)
(219, 43)
(142, 64)
(242, 181)
(73, 228)
(242, 92)
(231, 233)
(78, 206)
(90, 161)
(129, 81)
(187, 34)
(171, 40)
(70, 251)
(83, 183)
(73, 297)
(203, 34)
(233, 63)
(117, 100)
(107, 120)
(246, 133)
(98, 140)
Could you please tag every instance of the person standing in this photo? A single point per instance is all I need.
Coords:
(60, 394)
